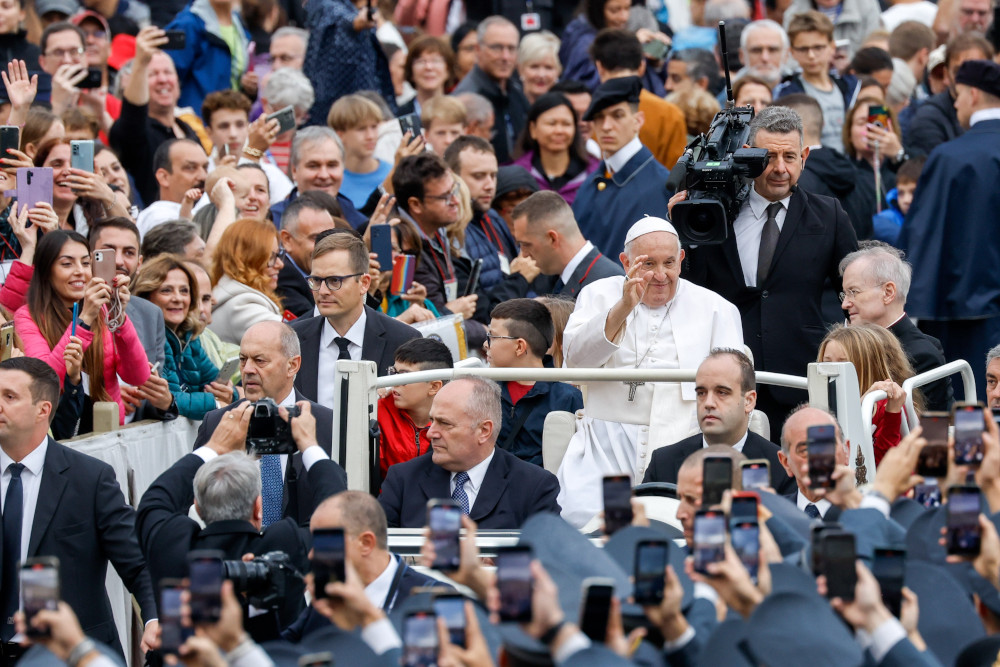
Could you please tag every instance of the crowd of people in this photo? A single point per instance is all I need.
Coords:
(207, 205)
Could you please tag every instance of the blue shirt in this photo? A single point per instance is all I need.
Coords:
(358, 187)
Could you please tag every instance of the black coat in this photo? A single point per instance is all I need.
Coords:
(511, 492)
(833, 174)
(298, 502)
(924, 352)
(934, 122)
(296, 297)
(666, 461)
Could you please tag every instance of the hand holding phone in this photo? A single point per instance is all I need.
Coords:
(39, 589)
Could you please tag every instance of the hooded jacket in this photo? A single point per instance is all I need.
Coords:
(831, 173)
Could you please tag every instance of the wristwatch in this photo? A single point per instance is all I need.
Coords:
(551, 634)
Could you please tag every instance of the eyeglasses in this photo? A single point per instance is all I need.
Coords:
(392, 370)
(448, 196)
(65, 53)
(757, 50)
(501, 48)
(492, 337)
(429, 62)
(816, 48)
(852, 294)
(333, 283)
(273, 259)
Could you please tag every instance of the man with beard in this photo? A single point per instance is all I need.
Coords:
(179, 165)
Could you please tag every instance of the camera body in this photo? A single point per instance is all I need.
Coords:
(266, 580)
(268, 433)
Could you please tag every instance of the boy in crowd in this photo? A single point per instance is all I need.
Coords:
(443, 119)
(519, 336)
(356, 119)
(888, 223)
(404, 413)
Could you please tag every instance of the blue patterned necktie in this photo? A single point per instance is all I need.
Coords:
(812, 511)
(13, 511)
(459, 495)
(271, 487)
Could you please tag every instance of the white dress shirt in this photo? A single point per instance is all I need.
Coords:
(618, 161)
(326, 367)
(378, 590)
(823, 505)
(984, 114)
(748, 227)
(738, 446)
(477, 474)
(567, 272)
(31, 480)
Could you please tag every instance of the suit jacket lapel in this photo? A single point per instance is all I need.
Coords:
(374, 342)
(435, 482)
(577, 276)
(793, 217)
(49, 493)
(732, 253)
(492, 488)
(308, 371)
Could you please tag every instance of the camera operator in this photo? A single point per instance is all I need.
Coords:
(270, 358)
(226, 491)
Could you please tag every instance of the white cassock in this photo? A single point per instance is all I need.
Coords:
(618, 435)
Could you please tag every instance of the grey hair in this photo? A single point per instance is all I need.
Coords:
(786, 446)
(777, 120)
(885, 264)
(537, 45)
(725, 10)
(483, 403)
(291, 31)
(902, 83)
(752, 27)
(701, 64)
(308, 136)
(994, 353)
(290, 346)
(478, 109)
(489, 22)
(288, 86)
(226, 488)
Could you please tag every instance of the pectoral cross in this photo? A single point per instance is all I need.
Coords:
(632, 386)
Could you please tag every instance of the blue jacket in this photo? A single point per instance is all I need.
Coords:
(351, 214)
(542, 399)
(481, 243)
(888, 223)
(187, 369)
(206, 64)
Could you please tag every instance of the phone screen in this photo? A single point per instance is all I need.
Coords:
(928, 494)
(515, 584)
(10, 137)
(328, 559)
(205, 585)
(743, 507)
(595, 609)
(650, 564)
(452, 609)
(420, 640)
(617, 502)
(717, 477)
(969, 427)
(755, 476)
(444, 521)
(933, 458)
(745, 537)
(173, 634)
(39, 590)
(964, 532)
(709, 538)
(822, 443)
(889, 567)
(838, 565)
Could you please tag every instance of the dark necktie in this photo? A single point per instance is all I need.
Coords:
(768, 242)
(812, 511)
(459, 495)
(558, 287)
(13, 511)
(342, 343)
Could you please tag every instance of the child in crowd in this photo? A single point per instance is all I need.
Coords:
(888, 223)
(356, 119)
(443, 119)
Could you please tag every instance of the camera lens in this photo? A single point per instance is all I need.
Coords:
(246, 577)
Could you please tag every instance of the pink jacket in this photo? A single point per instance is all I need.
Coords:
(123, 353)
(14, 292)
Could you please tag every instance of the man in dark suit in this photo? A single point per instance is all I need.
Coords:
(726, 395)
(876, 280)
(783, 246)
(494, 487)
(346, 328)
(555, 257)
(270, 358)
(59, 502)
(303, 221)
(794, 457)
(225, 485)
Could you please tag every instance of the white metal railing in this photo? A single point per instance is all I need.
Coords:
(958, 366)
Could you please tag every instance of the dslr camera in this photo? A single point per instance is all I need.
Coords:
(266, 580)
(268, 433)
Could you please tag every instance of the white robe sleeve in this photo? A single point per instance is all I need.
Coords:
(584, 342)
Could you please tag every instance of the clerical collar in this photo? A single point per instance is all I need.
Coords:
(758, 204)
(984, 114)
(618, 161)
(567, 272)
(738, 445)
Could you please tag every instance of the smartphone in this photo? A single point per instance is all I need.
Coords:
(969, 420)
(92, 80)
(655, 49)
(382, 245)
(228, 370)
(822, 444)
(651, 557)
(176, 40)
(6, 340)
(889, 567)
(514, 583)
(10, 137)
(933, 458)
(709, 538)
(420, 639)
(451, 608)
(755, 474)
(403, 270)
(76, 318)
(173, 633)
(327, 563)
(285, 117)
(743, 506)
(928, 494)
(617, 492)
(39, 589)
(964, 507)
(321, 659)
(410, 123)
(717, 476)
(816, 532)
(838, 556)
(878, 114)
(205, 585)
(744, 534)
(103, 265)
(595, 607)
(444, 518)
(82, 154)
(34, 185)
(472, 284)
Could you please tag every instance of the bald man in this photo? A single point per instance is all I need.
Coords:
(794, 456)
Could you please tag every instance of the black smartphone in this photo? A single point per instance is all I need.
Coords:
(933, 458)
(822, 444)
(928, 494)
(717, 476)
(964, 506)
(889, 567)
(744, 534)
(514, 583)
(816, 532)
(838, 558)
(444, 518)
(205, 585)
(10, 137)
(92, 80)
(595, 608)
(327, 562)
(173, 633)
(617, 491)
(176, 40)
(285, 118)
(969, 420)
(321, 659)
(420, 639)
(709, 538)
(755, 474)
(651, 557)
(472, 284)
(743, 506)
(39, 589)
(381, 236)
(451, 607)
(410, 123)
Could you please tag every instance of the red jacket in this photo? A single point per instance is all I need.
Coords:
(887, 426)
(401, 440)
